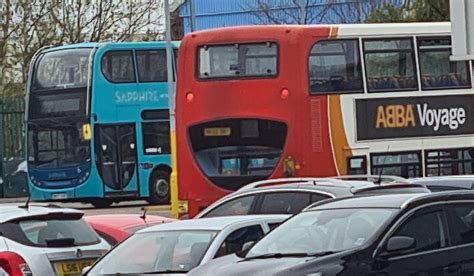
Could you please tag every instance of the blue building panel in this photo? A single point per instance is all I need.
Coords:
(225, 13)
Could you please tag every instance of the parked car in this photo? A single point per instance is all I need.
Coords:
(446, 183)
(40, 240)
(180, 246)
(114, 228)
(291, 195)
(403, 234)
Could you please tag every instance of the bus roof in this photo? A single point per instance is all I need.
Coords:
(111, 44)
(343, 30)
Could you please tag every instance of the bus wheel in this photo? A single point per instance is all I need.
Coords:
(159, 188)
(101, 203)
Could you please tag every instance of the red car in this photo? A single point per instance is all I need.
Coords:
(116, 228)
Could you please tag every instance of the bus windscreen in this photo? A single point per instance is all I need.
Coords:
(61, 69)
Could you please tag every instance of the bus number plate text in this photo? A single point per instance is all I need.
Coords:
(217, 131)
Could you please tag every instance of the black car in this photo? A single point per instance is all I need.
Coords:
(405, 234)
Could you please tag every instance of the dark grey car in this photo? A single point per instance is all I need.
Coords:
(404, 234)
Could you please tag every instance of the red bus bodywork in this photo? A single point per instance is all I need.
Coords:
(307, 148)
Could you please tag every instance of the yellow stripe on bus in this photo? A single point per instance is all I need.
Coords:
(333, 32)
(340, 146)
(174, 177)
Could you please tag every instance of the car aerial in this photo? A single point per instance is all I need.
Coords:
(180, 246)
(398, 234)
(41, 240)
(446, 183)
(114, 228)
(291, 195)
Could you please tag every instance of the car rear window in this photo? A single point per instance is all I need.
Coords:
(50, 231)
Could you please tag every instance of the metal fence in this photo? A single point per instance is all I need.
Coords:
(12, 142)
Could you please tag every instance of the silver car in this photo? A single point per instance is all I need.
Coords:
(177, 247)
(41, 240)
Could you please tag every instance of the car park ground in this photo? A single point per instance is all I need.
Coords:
(131, 207)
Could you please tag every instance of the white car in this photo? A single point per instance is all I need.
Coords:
(41, 240)
(180, 246)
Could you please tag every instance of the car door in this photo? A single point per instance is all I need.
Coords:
(460, 217)
(235, 241)
(427, 226)
(242, 205)
(288, 202)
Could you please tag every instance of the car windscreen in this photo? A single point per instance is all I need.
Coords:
(315, 232)
(156, 252)
(64, 230)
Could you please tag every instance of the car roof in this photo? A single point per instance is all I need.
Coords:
(124, 221)
(214, 223)
(398, 201)
(10, 212)
(455, 181)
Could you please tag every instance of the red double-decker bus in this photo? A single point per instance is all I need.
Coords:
(258, 102)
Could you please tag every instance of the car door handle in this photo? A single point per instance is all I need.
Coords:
(452, 268)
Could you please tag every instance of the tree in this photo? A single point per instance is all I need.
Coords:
(412, 11)
(289, 12)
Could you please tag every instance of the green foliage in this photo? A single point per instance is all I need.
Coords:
(411, 11)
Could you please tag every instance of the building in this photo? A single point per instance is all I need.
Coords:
(224, 13)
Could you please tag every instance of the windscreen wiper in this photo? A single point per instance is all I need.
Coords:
(61, 242)
(289, 255)
(169, 271)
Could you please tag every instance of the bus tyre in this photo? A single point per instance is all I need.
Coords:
(159, 188)
(101, 203)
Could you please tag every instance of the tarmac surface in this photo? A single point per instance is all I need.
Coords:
(128, 207)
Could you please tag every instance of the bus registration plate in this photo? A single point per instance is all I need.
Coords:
(217, 131)
(72, 268)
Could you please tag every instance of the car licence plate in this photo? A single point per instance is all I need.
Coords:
(72, 268)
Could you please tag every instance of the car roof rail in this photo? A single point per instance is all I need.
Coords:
(295, 180)
(376, 179)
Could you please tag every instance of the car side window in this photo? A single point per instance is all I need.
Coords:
(426, 228)
(234, 207)
(284, 203)
(460, 218)
(236, 240)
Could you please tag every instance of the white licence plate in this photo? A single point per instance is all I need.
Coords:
(60, 196)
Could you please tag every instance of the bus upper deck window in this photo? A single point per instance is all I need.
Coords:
(238, 60)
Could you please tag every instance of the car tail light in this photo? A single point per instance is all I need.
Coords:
(14, 264)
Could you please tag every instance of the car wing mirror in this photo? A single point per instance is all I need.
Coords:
(247, 245)
(400, 243)
(85, 270)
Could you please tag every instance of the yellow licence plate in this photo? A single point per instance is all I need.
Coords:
(72, 268)
(217, 131)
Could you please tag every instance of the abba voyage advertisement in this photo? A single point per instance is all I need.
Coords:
(414, 117)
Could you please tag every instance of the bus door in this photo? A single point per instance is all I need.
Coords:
(117, 158)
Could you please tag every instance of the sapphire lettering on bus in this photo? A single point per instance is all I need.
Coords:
(414, 117)
(133, 97)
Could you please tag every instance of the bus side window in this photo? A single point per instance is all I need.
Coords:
(357, 165)
(390, 64)
(117, 66)
(151, 65)
(334, 67)
(437, 71)
(156, 137)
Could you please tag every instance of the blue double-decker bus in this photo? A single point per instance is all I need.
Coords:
(98, 123)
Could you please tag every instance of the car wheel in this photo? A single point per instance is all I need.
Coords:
(101, 203)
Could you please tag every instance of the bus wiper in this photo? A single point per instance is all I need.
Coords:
(289, 255)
